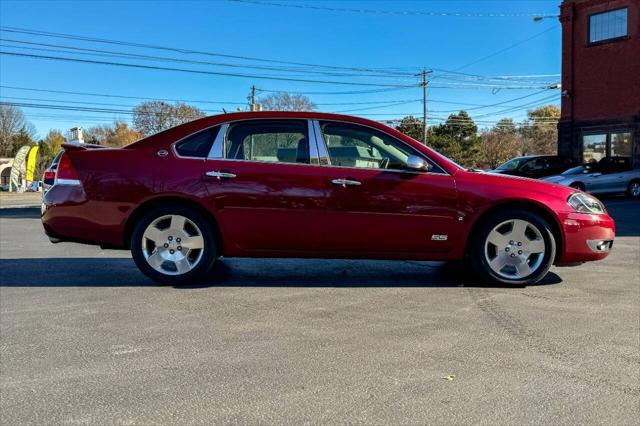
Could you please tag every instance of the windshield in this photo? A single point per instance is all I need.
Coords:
(512, 164)
(579, 170)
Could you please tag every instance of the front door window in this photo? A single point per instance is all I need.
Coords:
(355, 146)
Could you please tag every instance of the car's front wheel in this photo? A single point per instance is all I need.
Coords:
(513, 247)
(173, 245)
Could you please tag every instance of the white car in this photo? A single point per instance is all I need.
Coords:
(609, 176)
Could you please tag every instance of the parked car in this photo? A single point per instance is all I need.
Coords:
(312, 185)
(608, 176)
(49, 175)
(534, 166)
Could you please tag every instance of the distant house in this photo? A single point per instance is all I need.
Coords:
(600, 80)
(5, 171)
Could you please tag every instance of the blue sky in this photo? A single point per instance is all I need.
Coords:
(405, 41)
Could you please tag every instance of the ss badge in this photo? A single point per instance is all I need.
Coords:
(436, 237)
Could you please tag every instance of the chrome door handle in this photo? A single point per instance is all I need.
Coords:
(346, 182)
(221, 175)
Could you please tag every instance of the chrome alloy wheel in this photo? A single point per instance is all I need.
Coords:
(634, 189)
(172, 245)
(514, 249)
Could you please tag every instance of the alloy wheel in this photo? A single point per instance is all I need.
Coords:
(514, 249)
(634, 189)
(172, 244)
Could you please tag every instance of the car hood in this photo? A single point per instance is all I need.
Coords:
(508, 184)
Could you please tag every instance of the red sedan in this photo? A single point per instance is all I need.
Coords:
(282, 184)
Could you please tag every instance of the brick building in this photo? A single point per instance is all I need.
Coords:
(600, 80)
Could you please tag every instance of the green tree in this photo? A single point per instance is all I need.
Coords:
(412, 127)
(20, 139)
(457, 138)
(540, 131)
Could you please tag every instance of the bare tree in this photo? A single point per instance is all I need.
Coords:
(12, 124)
(155, 116)
(498, 146)
(287, 102)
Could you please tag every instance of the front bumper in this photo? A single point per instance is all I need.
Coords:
(586, 236)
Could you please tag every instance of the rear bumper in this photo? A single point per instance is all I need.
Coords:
(67, 215)
(586, 237)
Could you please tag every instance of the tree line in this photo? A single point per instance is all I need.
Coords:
(458, 137)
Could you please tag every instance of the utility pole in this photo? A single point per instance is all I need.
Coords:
(252, 98)
(424, 106)
(253, 106)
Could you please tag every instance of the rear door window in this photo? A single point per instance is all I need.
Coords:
(197, 145)
(278, 141)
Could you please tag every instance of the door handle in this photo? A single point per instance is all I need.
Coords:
(221, 175)
(346, 182)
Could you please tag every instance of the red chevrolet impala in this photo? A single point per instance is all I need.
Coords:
(282, 184)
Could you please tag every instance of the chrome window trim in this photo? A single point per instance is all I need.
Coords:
(323, 154)
(185, 157)
(422, 155)
(314, 158)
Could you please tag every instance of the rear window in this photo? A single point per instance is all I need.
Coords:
(197, 145)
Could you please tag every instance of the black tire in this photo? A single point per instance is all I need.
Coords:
(578, 185)
(200, 269)
(480, 263)
(630, 189)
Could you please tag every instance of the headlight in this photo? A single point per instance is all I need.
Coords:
(583, 203)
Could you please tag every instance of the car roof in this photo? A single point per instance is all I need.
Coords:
(186, 129)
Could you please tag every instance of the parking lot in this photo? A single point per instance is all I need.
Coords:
(86, 338)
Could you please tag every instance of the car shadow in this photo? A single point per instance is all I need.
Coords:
(276, 273)
(626, 214)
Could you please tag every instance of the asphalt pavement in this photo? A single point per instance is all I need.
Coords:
(87, 339)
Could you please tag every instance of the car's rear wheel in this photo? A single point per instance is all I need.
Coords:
(173, 245)
(633, 190)
(513, 247)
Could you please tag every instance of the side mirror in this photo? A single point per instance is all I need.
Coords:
(416, 163)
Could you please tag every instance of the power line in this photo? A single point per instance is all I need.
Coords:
(491, 55)
(395, 12)
(190, 51)
(119, 96)
(380, 72)
(112, 53)
(204, 72)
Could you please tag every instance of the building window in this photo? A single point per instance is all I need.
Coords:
(608, 25)
(596, 147)
(621, 144)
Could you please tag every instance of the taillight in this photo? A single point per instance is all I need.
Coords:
(49, 175)
(66, 174)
